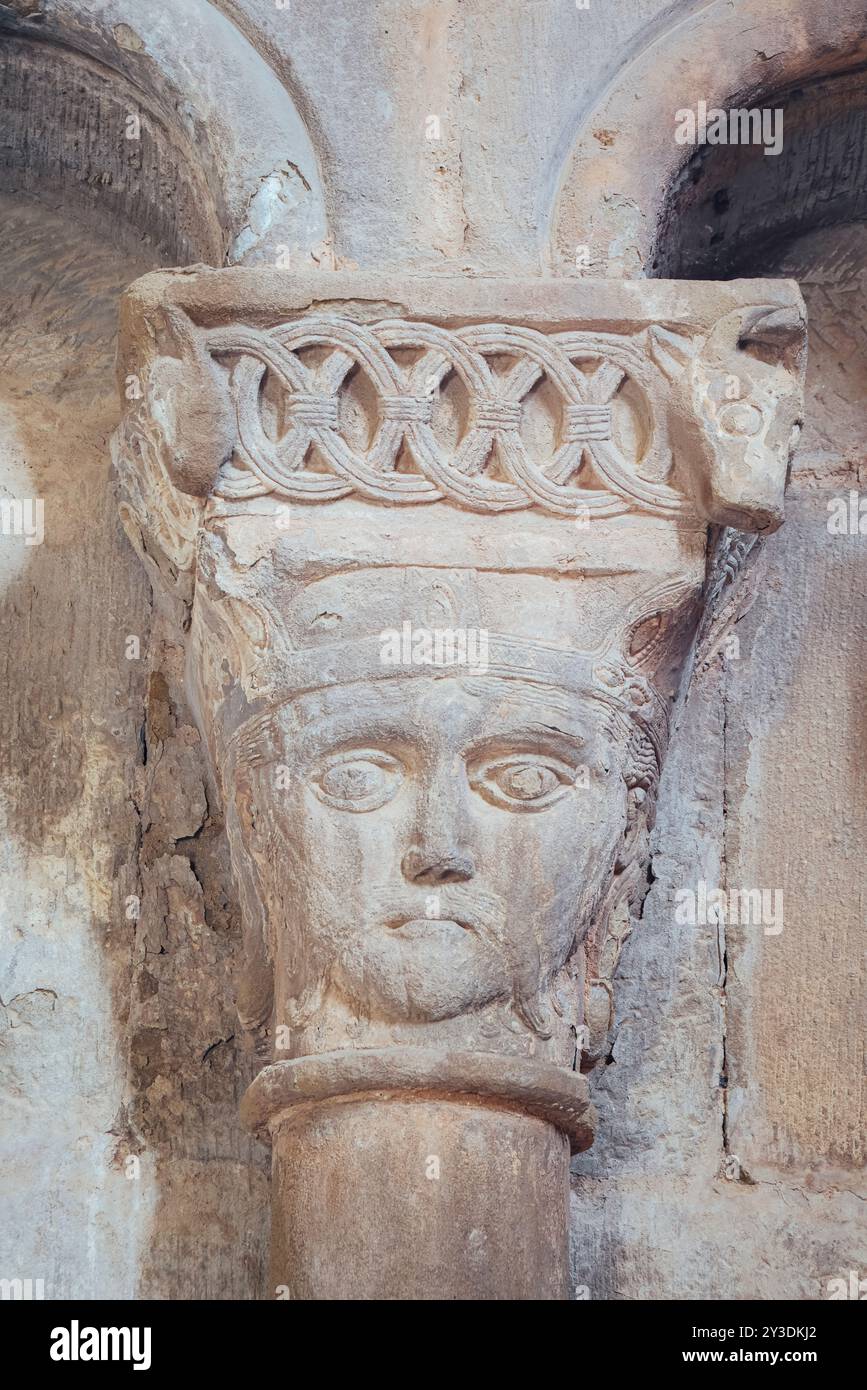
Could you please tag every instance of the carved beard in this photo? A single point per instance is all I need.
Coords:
(256, 845)
(256, 851)
(268, 869)
(487, 914)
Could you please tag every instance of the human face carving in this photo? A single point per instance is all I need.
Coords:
(437, 843)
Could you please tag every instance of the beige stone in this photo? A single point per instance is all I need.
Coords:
(438, 551)
(457, 140)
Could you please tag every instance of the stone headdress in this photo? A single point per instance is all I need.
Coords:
(307, 460)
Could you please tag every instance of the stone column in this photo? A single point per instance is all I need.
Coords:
(440, 551)
(435, 1175)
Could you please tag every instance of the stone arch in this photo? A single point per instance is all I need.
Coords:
(645, 205)
(217, 167)
(172, 125)
(624, 189)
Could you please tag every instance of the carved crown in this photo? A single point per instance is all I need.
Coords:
(580, 431)
(312, 389)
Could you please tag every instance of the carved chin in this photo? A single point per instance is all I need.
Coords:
(423, 972)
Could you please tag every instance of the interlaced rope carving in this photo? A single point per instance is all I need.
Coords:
(406, 395)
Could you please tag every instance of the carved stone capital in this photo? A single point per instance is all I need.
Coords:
(439, 552)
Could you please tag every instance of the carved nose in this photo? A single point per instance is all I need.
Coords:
(421, 867)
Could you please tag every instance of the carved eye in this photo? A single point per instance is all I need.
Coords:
(525, 782)
(358, 781)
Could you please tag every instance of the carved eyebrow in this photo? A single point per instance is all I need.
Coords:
(530, 738)
(329, 734)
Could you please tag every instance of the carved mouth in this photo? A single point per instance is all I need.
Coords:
(419, 928)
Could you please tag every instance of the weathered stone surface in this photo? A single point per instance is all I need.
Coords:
(729, 1183)
(487, 139)
(796, 1032)
(458, 1184)
(69, 747)
(315, 483)
(124, 1170)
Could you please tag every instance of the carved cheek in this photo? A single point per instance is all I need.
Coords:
(596, 832)
(549, 862)
(355, 850)
(590, 834)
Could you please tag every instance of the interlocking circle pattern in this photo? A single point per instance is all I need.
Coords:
(405, 401)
